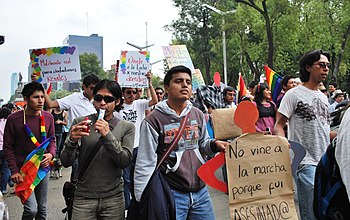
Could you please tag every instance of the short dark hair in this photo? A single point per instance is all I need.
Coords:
(125, 88)
(285, 80)
(4, 112)
(259, 92)
(252, 84)
(307, 60)
(173, 70)
(228, 89)
(31, 87)
(113, 87)
(159, 88)
(333, 83)
(90, 79)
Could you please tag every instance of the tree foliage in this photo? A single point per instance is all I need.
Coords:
(89, 63)
(272, 32)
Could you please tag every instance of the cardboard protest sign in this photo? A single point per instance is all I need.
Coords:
(224, 125)
(197, 79)
(260, 178)
(178, 55)
(55, 64)
(133, 68)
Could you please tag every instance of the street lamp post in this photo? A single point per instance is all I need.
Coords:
(223, 35)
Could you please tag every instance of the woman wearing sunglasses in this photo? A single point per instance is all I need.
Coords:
(99, 193)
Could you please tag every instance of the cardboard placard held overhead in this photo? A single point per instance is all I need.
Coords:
(133, 67)
(224, 125)
(55, 64)
(260, 178)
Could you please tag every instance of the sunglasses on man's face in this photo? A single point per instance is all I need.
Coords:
(106, 98)
(131, 92)
(323, 65)
(159, 93)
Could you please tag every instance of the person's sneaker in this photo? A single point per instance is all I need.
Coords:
(60, 173)
(52, 174)
(5, 192)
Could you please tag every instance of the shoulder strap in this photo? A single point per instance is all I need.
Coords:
(174, 141)
(94, 150)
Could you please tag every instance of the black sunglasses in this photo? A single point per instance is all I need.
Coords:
(159, 93)
(129, 92)
(106, 98)
(323, 65)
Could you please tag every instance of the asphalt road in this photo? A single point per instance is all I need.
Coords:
(56, 201)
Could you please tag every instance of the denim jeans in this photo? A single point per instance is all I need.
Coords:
(193, 205)
(35, 206)
(109, 208)
(305, 185)
(5, 172)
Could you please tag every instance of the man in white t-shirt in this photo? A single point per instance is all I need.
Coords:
(135, 111)
(306, 110)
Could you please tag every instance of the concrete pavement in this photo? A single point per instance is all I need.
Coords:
(56, 201)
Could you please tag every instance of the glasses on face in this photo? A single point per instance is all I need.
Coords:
(323, 65)
(106, 98)
(159, 93)
(131, 92)
(139, 90)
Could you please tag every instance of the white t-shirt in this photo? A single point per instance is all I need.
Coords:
(135, 113)
(77, 105)
(308, 121)
(342, 150)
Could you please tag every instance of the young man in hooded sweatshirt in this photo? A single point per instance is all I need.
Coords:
(192, 200)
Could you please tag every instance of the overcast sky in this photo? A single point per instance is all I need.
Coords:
(39, 24)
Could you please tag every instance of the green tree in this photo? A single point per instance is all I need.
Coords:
(89, 63)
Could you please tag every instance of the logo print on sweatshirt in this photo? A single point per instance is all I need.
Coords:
(189, 137)
(130, 116)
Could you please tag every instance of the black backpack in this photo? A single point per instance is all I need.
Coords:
(330, 197)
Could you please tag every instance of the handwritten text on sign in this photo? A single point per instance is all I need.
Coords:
(133, 68)
(55, 64)
(259, 178)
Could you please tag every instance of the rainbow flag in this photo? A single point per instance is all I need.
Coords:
(274, 82)
(32, 172)
(241, 87)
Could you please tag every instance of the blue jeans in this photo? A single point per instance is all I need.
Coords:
(35, 206)
(103, 208)
(193, 205)
(305, 185)
(5, 172)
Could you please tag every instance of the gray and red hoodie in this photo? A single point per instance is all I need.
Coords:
(156, 133)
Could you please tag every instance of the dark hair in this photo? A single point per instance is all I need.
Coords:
(113, 87)
(307, 60)
(90, 79)
(4, 112)
(228, 89)
(285, 80)
(159, 88)
(259, 92)
(125, 88)
(333, 83)
(252, 84)
(31, 87)
(173, 70)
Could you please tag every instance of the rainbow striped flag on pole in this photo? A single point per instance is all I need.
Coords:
(32, 172)
(274, 82)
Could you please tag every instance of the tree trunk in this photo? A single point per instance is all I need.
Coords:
(341, 53)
